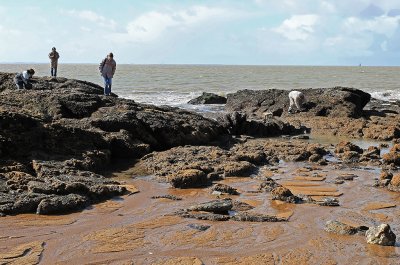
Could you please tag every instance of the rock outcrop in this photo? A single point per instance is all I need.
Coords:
(328, 111)
(56, 137)
(333, 102)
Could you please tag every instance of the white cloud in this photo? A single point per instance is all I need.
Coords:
(93, 17)
(349, 46)
(380, 25)
(298, 27)
(85, 29)
(152, 25)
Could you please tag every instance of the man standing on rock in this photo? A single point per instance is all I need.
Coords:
(53, 56)
(107, 69)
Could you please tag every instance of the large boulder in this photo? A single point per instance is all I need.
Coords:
(332, 102)
(208, 98)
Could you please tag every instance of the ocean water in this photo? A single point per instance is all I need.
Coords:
(175, 85)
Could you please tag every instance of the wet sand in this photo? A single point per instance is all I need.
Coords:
(136, 229)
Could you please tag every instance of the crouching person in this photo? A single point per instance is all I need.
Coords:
(22, 80)
(296, 99)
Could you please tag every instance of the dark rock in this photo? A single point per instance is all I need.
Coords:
(249, 217)
(199, 227)
(346, 177)
(268, 185)
(300, 137)
(188, 178)
(62, 204)
(329, 202)
(239, 206)
(238, 169)
(208, 98)
(215, 206)
(238, 123)
(284, 194)
(204, 216)
(381, 235)
(224, 189)
(338, 101)
(337, 227)
(345, 146)
(168, 196)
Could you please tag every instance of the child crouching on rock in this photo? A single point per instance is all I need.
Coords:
(22, 80)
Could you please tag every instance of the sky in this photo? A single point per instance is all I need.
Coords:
(245, 32)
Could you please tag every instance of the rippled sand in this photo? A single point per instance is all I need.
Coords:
(142, 230)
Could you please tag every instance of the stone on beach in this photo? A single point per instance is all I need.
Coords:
(284, 194)
(381, 235)
(337, 227)
(216, 206)
(223, 188)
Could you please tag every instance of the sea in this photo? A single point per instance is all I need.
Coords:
(175, 85)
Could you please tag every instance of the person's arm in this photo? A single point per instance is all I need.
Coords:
(51, 55)
(102, 65)
(57, 55)
(114, 68)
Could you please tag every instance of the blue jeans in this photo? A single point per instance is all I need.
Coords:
(107, 85)
(54, 71)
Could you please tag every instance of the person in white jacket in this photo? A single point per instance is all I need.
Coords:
(296, 99)
(22, 80)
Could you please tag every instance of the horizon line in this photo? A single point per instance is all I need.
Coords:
(211, 64)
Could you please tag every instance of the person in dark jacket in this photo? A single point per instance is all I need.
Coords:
(53, 56)
(107, 70)
(22, 80)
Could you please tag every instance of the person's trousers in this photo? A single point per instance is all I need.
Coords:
(53, 71)
(107, 85)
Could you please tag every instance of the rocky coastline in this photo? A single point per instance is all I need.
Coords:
(58, 140)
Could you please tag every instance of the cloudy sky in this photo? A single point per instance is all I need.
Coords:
(271, 32)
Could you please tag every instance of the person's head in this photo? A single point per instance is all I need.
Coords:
(53, 49)
(31, 72)
(110, 56)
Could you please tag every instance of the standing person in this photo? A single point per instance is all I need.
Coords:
(107, 69)
(53, 56)
(296, 98)
(22, 80)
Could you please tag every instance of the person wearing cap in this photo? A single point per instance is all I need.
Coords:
(53, 56)
(22, 80)
(107, 69)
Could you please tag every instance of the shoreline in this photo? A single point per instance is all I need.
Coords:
(58, 142)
